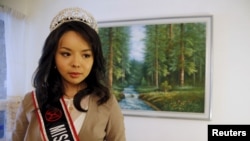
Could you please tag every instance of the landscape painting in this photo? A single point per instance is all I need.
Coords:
(160, 67)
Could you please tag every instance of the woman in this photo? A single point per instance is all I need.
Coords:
(71, 100)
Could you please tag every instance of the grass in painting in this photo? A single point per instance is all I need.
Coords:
(179, 100)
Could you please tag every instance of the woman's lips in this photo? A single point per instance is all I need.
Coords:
(74, 74)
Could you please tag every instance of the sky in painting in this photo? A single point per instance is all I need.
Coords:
(137, 46)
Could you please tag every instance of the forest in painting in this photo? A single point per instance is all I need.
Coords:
(159, 67)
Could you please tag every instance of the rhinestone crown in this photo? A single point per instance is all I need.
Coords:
(73, 14)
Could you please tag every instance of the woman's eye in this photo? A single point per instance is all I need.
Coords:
(65, 54)
(86, 55)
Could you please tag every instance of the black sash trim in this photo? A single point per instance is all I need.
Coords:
(55, 121)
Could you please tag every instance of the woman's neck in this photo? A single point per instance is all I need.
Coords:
(71, 90)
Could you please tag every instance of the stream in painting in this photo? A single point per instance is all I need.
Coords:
(131, 100)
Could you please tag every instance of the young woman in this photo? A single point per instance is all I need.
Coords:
(71, 101)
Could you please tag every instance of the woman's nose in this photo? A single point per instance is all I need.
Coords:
(76, 62)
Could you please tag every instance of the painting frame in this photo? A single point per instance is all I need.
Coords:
(208, 21)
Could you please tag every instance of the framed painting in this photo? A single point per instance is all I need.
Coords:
(160, 67)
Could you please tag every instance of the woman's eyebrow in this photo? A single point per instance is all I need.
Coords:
(85, 50)
(62, 47)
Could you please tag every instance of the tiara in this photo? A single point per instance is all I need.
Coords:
(73, 14)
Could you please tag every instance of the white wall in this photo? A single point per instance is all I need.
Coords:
(231, 48)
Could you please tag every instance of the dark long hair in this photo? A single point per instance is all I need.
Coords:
(47, 80)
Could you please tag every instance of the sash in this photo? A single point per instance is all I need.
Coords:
(55, 121)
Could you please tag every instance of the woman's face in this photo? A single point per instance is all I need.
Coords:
(74, 58)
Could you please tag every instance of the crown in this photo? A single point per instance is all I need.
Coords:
(73, 14)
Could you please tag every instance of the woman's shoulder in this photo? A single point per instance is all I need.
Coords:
(109, 104)
(110, 101)
(28, 96)
(27, 102)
